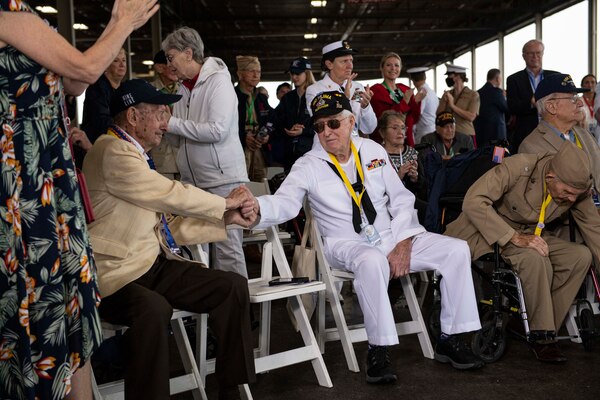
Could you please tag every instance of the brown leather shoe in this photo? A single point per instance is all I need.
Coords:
(548, 352)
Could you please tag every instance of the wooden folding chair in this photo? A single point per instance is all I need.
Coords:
(262, 293)
(357, 333)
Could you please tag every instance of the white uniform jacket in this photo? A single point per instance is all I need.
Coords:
(331, 203)
(426, 123)
(365, 117)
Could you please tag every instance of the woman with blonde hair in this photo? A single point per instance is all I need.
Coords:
(390, 95)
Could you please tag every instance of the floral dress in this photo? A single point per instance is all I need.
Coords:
(49, 324)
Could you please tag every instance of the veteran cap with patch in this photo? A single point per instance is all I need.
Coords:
(572, 166)
(136, 91)
(557, 83)
(444, 118)
(329, 103)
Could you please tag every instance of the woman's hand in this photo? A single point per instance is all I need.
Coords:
(134, 12)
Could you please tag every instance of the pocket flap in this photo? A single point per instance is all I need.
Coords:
(108, 247)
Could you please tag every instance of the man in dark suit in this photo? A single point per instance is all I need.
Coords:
(491, 122)
(520, 87)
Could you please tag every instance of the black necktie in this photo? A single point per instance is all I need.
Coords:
(367, 205)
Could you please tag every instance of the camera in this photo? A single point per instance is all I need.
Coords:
(265, 130)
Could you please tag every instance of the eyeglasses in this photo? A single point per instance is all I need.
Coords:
(397, 127)
(573, 99)
(319, 127)
(171, 57)
(534, 53)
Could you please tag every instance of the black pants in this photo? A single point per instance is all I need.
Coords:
(146, 305)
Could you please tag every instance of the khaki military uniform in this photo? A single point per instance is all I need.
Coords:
(468, 100)
(544, 140)
(165, 154)
(508, 199)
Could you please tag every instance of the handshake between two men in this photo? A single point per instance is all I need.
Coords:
(240, 207)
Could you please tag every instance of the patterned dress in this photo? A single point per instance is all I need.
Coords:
(49, 324)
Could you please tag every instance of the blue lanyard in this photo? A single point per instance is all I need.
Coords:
(532, 79)
(114, 130)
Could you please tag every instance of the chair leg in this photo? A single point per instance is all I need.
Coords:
(416, 315)
(95, 391)
(245, 393)
(340, 322)
(187, 358)
(309, 338)
(201, 349)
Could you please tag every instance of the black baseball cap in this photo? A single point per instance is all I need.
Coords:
(557, 83)
(329, 103)
(299, 65)
(136, 91)
(160, 58)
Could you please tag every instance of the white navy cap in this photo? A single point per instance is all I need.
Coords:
(455, 69)
(337, 49)
(416, 70)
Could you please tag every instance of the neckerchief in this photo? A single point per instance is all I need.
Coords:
(362, 199)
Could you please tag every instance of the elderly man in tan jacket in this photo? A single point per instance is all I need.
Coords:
(141, 274)
(560, 110)
(510, 205)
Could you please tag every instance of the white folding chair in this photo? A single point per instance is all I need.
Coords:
(357, 333)
(259, 236)
(190, 381)
(262, 293)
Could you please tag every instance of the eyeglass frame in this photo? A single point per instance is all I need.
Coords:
(403, 128)
(328, 124)
(573, 99)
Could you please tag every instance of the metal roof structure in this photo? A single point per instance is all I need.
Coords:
(424, 33)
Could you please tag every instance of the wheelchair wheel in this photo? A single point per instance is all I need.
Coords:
(433, 321)
(586, 328)
(489, 343)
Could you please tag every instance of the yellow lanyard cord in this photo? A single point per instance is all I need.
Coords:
(357, 199)
(577, 142)
(540, 225)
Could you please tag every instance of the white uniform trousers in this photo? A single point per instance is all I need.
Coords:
(430, 251)
(229, 254)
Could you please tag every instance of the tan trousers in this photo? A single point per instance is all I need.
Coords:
(255, 164)
(549, 283)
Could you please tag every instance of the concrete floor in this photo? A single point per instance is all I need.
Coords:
(517, 374)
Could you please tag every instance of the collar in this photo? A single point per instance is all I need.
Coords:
(131, 140)
(190, 83)
(530, 73)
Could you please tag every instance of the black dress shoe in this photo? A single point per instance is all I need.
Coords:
(548, 352)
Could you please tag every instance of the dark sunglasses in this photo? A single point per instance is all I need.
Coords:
(319, 127)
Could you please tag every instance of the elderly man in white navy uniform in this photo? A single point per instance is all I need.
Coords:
(337, 63)
(369, 225)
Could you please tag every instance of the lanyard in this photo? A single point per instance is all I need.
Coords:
(559, 133)
(118, 133)
(532, 79)
(394, 96)
(357, 199)
(590, 106)
(540, 225)
(250, 119)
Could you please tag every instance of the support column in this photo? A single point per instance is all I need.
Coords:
(66, 19)
(593, 37)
